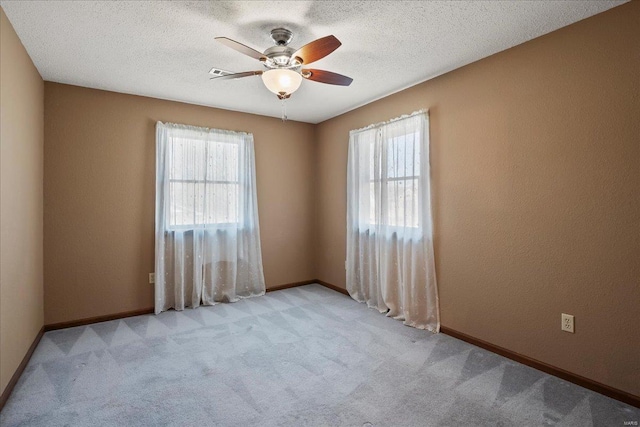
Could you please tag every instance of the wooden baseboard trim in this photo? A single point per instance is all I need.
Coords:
(309, 282)
(124, 314)
(333, 287)
(587, 383)
(16, 375)
(291, 285)
(97, 319)
(89, 320)
(614, 393)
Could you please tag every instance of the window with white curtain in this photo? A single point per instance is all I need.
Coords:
(390, 259)
(207, 228)
(204, 189)
(396, 180)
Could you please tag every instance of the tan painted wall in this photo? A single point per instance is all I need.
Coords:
(21, 146)
(536, 187)
(100, 196)
(535, 157)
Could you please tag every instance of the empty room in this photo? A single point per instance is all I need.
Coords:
(320, 213)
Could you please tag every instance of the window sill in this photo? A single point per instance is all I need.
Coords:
(393, 233)
(217, 228)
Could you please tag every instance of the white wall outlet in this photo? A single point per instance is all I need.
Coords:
(345, 264)
(152, 277)
(567, 323)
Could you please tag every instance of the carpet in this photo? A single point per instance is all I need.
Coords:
(306, 356)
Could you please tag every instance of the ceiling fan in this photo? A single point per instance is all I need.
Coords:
(284, 65)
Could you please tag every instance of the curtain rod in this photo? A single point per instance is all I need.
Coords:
(199, 128)
(395, 119)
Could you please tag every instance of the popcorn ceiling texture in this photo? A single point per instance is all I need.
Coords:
(165, 49)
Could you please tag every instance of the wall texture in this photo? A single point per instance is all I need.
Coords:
(536, 170)
(100, 196)
(536, 178)
(21, 145)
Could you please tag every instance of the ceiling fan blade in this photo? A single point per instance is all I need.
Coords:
(241, 48)
(237, 75)
(317, 49)
(328, 77)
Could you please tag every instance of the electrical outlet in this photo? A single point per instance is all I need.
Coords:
(567, 323)
(152, 277)
(345, 264)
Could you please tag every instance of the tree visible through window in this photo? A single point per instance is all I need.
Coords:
(395, 171)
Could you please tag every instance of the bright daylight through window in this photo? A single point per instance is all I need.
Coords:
(396, 182)
(207, 228)
(390, 260)
(203, 183)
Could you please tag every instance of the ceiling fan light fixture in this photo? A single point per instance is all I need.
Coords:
(281, 81)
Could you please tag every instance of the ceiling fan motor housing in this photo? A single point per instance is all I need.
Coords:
(279, 57)
(281, 36)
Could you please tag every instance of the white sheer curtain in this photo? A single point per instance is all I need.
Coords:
(390, 261)
(207, 232)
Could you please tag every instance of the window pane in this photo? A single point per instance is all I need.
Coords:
(223, 161)
(187, 159)
(403, 156)
(203, 187)
(393, 191)
(203, 203)
(203, 160)
(222, 203)
(402, 199)
(186, 204)
(399, 208)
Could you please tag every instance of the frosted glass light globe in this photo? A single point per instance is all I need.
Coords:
(282, 81)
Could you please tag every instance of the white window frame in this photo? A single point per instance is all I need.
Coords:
(204, 225)
(371, 222)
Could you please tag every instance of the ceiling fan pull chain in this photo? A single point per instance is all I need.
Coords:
(284, 109)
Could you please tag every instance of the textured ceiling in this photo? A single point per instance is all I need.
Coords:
(165, 49)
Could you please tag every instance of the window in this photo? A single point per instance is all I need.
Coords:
(205, 178)
(388, 182)
(395, 173)
(203, 183)
(390, 262)
(207, 228)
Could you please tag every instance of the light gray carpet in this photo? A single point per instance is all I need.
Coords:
(305, 356)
